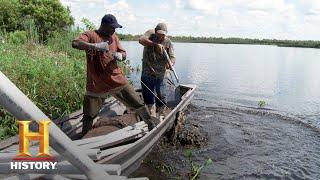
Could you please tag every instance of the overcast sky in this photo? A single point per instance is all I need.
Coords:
(279, 19)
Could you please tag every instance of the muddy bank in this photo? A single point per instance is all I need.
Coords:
(243, 144)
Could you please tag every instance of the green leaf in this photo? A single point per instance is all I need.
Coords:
(208, 162)
(188, 153)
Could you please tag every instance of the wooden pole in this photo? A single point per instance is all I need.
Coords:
(22, 108)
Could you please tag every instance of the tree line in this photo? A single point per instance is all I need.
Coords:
(233, 40)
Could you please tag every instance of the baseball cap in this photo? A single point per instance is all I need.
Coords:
(110, 19)
(161, 28)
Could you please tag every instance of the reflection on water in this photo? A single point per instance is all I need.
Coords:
(286, 78)
(244, 142)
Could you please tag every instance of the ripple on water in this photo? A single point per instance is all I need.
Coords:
(247, 143)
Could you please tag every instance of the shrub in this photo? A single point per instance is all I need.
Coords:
(18, 37)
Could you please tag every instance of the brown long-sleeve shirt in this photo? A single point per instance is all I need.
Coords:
(103, 73)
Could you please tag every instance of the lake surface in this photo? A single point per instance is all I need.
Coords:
(231, 80)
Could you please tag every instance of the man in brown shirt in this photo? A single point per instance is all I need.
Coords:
(104, 76)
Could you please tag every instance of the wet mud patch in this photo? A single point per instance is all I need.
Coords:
(184, 133)
(244, 145)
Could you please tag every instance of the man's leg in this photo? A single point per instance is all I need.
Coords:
(160, 87)
(148, 85)
(130, 98)
(91, 107)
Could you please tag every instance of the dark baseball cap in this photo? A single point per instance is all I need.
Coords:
(110, 19)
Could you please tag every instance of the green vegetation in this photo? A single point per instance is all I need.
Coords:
(195, 169)
(48, 15)
(220, 40)
(53, 79)
(51, 73)
(89, 25)
(262, 104)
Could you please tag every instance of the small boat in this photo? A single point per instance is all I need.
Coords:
(120, 143)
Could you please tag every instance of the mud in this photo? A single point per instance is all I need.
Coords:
(244, 143)
(184, 134)
(106, 125)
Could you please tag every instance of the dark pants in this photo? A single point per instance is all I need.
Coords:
(92, 104)
(157, 86)
(126, 95)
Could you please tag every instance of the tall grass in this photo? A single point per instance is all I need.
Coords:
(53, 80)
(52, 75)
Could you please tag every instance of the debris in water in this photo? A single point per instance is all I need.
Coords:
(185, 134)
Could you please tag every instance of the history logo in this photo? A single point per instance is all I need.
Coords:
(24, 159)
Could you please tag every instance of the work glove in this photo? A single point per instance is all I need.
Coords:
(117, 56)
(101, 46)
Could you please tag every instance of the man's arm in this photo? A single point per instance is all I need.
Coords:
(82, 45)
(144, 39)
(171, 53)
(121, 49)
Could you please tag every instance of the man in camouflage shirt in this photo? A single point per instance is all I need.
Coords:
(154, 66)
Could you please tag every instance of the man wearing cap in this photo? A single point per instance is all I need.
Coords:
(154, 65)
(104, 77)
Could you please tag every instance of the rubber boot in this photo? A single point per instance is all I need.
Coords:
(160, 113)
(152, 110)
(87, 122)
(145, 115)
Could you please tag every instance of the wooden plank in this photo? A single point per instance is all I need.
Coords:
(23, 177)
(55, 177)
(64, 177)
(111, 151)
(138, 125)
(9, 155)
(61, 168)
(8, 142)
(74, 115)
(117, 139)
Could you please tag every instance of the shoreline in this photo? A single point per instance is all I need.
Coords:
(212, 40)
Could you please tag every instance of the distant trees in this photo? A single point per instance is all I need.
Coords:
(233, 40)
(220, 40)
(48, 16)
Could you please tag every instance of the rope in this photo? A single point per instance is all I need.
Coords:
(154, 94)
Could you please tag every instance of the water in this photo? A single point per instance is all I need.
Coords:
(244, 142)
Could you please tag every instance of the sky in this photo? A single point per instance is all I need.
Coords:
(272, 19)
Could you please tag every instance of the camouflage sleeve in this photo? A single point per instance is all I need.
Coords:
(147, 34)
(171, 53)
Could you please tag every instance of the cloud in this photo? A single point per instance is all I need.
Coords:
(242, 18)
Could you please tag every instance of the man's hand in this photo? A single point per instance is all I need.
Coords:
(169, 67)
(117, 56)
(102, 46)
(158, 48)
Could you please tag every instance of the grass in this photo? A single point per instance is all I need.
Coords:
(261, 104)
(195, 169)
(53, 80)
(53, 76)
